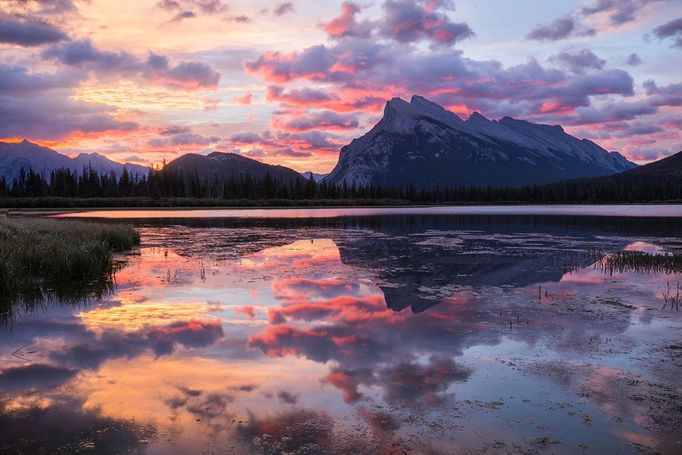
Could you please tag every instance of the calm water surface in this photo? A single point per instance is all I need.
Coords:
(434, 332)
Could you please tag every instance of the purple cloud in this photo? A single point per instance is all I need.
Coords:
(579, 61)
(186, 74)
(204, 6)
(30, 103)
(409, 21)
(300, 97)
(668, 95)
(183, 138)
(281, 67)
(633, 60)
(618, 11)
(47, 7)
(558, 29)
(672, 29)
(240, 19)
(246, 138)
(28, 32)
(324, 119)
(613, 112)
(82, 54)
(181, 15)
(283, 8)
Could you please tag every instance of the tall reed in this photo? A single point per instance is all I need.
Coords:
(39, 254)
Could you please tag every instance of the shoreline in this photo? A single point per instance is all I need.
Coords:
(672, 211)
(14, 211)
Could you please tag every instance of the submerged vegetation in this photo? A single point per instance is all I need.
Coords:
(46, 257)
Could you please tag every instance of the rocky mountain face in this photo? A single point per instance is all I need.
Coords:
(423, 144)
(43, 160)
(223, 165)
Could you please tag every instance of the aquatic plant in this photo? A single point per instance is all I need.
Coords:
(672, 296)
(641, 262)
(50, 257)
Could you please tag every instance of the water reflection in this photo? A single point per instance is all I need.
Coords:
(357, 336)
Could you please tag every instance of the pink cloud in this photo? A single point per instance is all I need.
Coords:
(247, 311)
(245, 99)
(346, 25)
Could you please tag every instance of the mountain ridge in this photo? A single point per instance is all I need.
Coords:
(422, 143)
(224, 164)
(43, 160)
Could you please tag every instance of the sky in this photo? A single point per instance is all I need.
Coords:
(291, 82)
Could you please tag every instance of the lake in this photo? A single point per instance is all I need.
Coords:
(381, 331)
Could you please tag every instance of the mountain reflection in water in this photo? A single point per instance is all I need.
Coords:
(422, 334)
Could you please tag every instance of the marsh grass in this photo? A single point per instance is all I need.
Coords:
(667, 263)
(641, 262)
(65, 259)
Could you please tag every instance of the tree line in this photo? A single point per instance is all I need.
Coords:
(167, 184)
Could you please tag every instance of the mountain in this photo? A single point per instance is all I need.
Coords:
(423, 144)
(43, 160)
(316, 177)
(666, 168)
(653, 182)
(223, 165)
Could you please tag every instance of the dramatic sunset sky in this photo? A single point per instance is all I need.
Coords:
(291, 82)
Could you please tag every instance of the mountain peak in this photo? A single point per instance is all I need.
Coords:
(477, 116)
(418, 100)
(222, 165)
(216, 155)
(435, 111)
(397, 104)
(424, 144)
(398, 112)
(43, 160)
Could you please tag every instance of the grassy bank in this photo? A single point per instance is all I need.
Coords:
(40, 256)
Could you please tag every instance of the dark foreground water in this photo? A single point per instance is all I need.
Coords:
(391, 333)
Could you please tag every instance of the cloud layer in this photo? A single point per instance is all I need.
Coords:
(323, 75)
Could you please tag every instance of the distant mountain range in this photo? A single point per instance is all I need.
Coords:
(423, 144)
(223, 165)
(43, 160)
(418, 143)
(316, 177)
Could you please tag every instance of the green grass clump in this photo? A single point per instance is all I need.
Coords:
(39, 255)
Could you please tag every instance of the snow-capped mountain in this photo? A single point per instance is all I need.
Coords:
(43, 160)
(316, 177)
(423, 144)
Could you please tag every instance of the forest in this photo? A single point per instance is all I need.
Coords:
(166, 187)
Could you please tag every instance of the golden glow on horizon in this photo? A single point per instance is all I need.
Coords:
(131, 20)
(130, 95)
